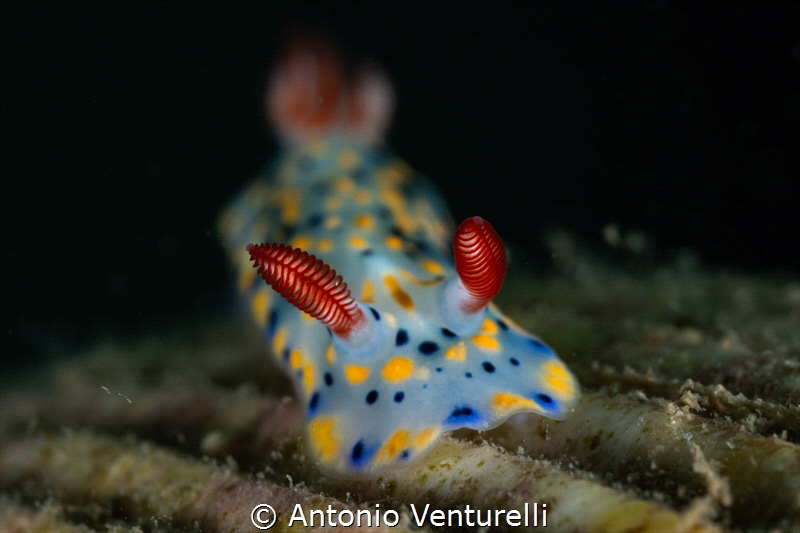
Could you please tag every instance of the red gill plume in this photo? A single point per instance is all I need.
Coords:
(308, 284)
(480, 262)
(315, 92)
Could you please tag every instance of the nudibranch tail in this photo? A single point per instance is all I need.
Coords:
(310, 285)
(480, 262)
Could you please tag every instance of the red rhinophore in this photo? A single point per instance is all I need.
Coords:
(308, 284)
(480, 262)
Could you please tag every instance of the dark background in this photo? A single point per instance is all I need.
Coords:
(125, 127)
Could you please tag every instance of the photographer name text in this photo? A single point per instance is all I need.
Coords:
(531, 515)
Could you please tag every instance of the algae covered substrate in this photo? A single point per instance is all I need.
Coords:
(689, 420)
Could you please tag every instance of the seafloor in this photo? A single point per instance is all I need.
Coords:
(689, 419)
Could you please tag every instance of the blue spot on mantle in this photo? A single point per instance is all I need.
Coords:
(539, 346)
(544, 400)
(362, 453)
(462, 415)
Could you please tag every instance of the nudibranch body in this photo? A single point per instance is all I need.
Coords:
(399, 344)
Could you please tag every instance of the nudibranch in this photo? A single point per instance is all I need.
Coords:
(383, 320)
